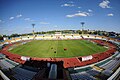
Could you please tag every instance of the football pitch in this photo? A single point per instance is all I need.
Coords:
(58, 48)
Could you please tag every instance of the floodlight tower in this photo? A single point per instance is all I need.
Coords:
(33, 28)
(82, 23)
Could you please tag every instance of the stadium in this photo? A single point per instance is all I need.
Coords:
(103, 58)
(59, 40)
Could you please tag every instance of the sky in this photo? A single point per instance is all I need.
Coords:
(16, 16)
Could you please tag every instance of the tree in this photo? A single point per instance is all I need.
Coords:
(14, 35)
(4, 35)
(1, 38)
(80, 32)
(95, 32)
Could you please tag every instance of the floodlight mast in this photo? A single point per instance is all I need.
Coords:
(33, 29)
(82, 23)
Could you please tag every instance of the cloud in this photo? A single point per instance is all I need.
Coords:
(11, 18)
(55, 26)
(79, 11)
(1, 21)
(44, 23)
(18, 16)
(110, 14)
(105, 4)
(79, 14)
(79, 7)
(28, 27)
(27, 19)
(89, 10)
(67, 5)
(70, 2)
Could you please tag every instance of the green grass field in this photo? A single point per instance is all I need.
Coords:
(46, 48)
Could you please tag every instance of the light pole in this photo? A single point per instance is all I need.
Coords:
(33, 28)
(82, 23)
